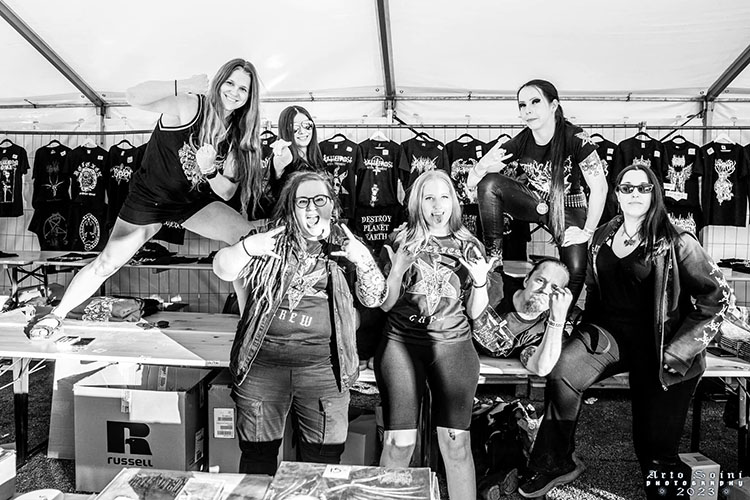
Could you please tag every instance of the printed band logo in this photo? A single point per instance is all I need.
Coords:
(128, 437)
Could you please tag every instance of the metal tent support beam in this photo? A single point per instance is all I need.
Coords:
(729, 75)
(40, 45)
(386, 53)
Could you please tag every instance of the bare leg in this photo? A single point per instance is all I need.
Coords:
(455, 447)
(218, 221)
(126, 239)
(398, 447)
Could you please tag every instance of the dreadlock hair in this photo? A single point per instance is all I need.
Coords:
(286, 132)
(656, 231)
(557, 158)
(238, 135)
(417, 233)
(263, 275)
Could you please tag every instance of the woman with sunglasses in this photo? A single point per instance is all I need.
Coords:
(654, 300)
(295, 347)
(204, 149)
(537, 177)
(296, 148)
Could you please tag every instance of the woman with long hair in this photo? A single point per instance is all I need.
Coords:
(295, 347)
(204, 148)
(654, 301)
(536, 177)
(436, 285)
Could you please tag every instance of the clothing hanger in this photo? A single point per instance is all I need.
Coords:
(125, 141)
(267, 133)
(467, 136)
(51, 144)
(597, 135)
(503, 136)
(338, 136)
(678, 139)
(425, 136)
(89, 143)
(10, 143)
(642, 134)
(379, 136)
(723, 138)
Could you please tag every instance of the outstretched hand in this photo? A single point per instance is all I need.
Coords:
(282, 154)
(262, 244)
(493, 161)
(477, 266)
(352, 249)
(401, 259)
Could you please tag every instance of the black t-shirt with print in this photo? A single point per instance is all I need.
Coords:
(50, 224)
(88, 175)
(51, 175)
(420, 155)
(340, 158)
(684, 167)
(606, 151)
(377, 174)
(531, 163)
(87, 227)
(121, 164)
(645, 152)
(526, 333)
(14, 163)
(462, 156)
(725, 184)
(300, 332)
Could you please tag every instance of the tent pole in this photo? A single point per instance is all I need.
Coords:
(386, 54)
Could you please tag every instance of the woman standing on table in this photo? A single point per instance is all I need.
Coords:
(536, 177)
(203, 149)
(654, 300)
(295, 347)
(436, 284)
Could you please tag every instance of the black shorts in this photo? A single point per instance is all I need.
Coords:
(140, 211)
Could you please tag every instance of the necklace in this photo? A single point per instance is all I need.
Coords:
(630, 239)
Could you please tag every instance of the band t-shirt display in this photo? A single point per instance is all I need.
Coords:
(606, 151)
(88, 175)
(340, 157)
(50, 224)
(725, 184)
(121, 164)
(51, 175)
(462, 157)
(640, 151)
(684, 167)
(14, 163)
(377, 174)
(420, 155)
(87, 226)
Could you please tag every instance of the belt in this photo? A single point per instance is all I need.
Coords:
(576, 200)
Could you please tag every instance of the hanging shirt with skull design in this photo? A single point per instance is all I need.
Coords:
(340, 158)
(683, 167)
(725, 184)
(13, 165)
(88, 175)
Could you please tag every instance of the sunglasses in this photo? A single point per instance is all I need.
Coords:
(629, 188)
(320, 200)
(306, 125)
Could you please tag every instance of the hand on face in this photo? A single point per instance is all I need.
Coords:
(559, 302)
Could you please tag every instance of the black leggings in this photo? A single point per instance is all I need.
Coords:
(451, 369)
(499, 193)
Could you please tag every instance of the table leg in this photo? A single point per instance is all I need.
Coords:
(742, 435)
(695, 433)
(21, 407)
(13, 274)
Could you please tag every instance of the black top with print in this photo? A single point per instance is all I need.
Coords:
(683, 167)
(421, 155)
(88, 175)
(340, 158)
(462, 156)
(14, 163)
(87, 227)
(645, 152)
(377, 174)
(725, 184)
(121, 164)
(51, 175)
(50, 224)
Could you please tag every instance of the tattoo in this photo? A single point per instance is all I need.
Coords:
(452, 434)
(371, 286)
(592, 165)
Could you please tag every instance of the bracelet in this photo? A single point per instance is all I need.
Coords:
(555, 324)
(213, 173)
(474, 285)
(588, 231)
(175, 88)
(242, 242)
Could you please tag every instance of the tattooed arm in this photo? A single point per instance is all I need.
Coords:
(593, 174)
(371, 288)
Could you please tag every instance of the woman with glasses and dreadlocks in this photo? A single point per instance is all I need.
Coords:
(205, 148)
(536, 177)
(295, 347)
(654, 300)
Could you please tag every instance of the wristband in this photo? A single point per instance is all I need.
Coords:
(479, 286)
(588, 231)
(212, 174)
(555, 324)
(242, 242)
(175, 88)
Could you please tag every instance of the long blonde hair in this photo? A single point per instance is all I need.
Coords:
(417, 233)
(238, 135)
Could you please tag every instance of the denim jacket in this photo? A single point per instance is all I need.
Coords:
(371, 290)
(692, 297)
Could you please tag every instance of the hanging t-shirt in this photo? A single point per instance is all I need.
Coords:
(431, 305)
(340, 158)
(377, 174)
(645, 152)
(51, 175)
(87, 227)
(462, 157)
(13, 165)
(684, 166)
(121, 164)
(532, 164)
(606, 151)
(88, 175)
(303, 319)
(374, 225)
(420, 155)
(725, 184)
(50, 224)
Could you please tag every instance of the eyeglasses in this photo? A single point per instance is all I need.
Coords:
(320, 200)
(307, 125)
(628, 188)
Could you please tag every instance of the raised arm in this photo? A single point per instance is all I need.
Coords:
(175, 99)
(545, 357)
(230, 261)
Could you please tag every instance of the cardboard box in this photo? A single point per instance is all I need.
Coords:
(141, 416)
(703, 479)
(223, 443)
(739, 489)
(7, 474)
(361, 442)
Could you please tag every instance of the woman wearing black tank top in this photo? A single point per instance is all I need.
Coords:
(654, 300)
(203, 149)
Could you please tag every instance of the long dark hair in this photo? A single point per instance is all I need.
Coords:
(557, 158)
(286, 132)
(238, 134)
(657, 231)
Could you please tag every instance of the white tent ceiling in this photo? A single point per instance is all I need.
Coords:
(661, 54)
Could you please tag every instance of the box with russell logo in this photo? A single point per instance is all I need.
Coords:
(138, 416)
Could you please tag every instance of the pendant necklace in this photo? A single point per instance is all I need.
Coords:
(628, 240)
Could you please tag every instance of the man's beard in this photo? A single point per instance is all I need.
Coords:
(538, 303)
